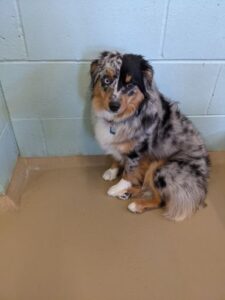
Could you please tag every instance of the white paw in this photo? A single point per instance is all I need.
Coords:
(132, 207)
(110, 174)
(119, 188)
(135, 208)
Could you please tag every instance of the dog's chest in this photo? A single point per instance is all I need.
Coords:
(109, 136)
(104, 133)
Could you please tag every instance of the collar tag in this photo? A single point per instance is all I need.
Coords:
(112, 129)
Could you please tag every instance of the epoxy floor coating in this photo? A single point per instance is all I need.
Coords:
(69, 240)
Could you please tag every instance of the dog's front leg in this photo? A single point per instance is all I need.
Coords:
(112, 173)
(135, 168)
(133, 176)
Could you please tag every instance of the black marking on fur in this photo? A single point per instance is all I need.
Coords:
(104, 53)
(167, 129)
(162, 203)
(167, 110)
(134, 65)
(160, 182)
(157, 171)
(128, 88)
(133, 155)
(144, 146)
(155, 136)
(112, 55)
(174, 142)
(180, 163)
(148, 120)
(185, 130)
(141, 106)
(195, 170)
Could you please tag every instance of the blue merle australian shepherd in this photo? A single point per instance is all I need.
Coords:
(156, 146)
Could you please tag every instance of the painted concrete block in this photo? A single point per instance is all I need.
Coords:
(30, 137)
(45, 90)
(80, 29)
(11, 35)
(217, 105)
(213, 131)
(195, 29)
(69, 137)
(191, 84)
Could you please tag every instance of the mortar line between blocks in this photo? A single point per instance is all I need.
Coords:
(47, 119)
(164, 28)
(206, 116)
(87, 61)
(213, 90)
(89, 119)
(22, 27)
(9, 115)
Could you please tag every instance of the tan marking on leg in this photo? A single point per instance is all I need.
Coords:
(126, 147)
(115, 164)
(149, 177)
(135, 191)
(136, 178)
(137, 175)
(141, 205)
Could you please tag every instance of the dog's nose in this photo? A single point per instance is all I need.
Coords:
(114, 106)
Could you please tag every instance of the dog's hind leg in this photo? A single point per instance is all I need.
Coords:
(139, 206)
(142, 204)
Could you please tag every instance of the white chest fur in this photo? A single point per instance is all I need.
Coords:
(105, 138)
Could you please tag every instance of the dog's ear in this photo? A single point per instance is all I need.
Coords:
(94, 65)
(93, 70)
(147, 71)
(104, 54)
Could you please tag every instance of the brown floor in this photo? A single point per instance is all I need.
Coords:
(70, 241)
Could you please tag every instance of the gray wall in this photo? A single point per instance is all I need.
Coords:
(46, 47)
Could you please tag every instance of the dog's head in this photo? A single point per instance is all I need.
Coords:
(119, 84)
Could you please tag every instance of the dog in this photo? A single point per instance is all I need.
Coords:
(156, 145)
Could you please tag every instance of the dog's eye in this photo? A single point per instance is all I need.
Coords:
(129, 89)
(129, 85)
(107, 81)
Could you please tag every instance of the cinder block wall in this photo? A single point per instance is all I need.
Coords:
(8, 146)
(46, 47)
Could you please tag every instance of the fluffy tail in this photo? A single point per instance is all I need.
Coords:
(184, 203)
